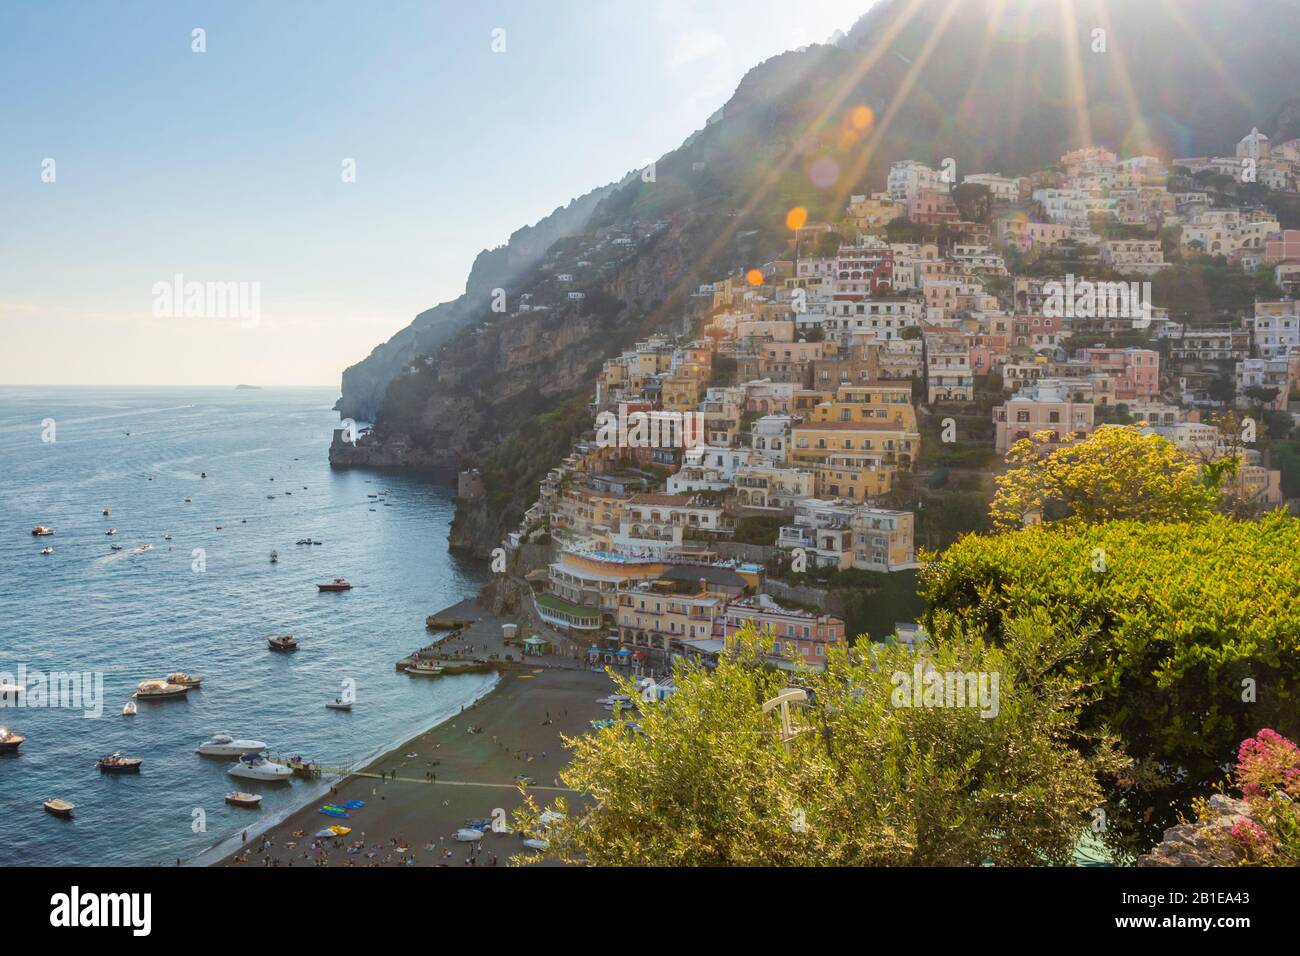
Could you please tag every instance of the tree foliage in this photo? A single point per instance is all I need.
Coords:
(1116, 473)
(706, 778)
(1197, 640)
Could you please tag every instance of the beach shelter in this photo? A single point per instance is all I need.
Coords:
(536, 646)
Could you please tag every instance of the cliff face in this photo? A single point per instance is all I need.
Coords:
(506, 392)
(365, 384)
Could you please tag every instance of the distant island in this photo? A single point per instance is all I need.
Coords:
(255, 388)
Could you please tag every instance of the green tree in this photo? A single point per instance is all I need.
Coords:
(708, 779)
(1117, 472)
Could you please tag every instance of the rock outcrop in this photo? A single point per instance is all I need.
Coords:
(1203, 842)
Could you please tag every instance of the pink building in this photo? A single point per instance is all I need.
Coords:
(796, 634)
(1047, 405)
(1281, 246)
(1136, 371)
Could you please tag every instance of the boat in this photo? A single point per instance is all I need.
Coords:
(303, 541)
(60, 808)
(468, 835)
(116, 547)
(338, 704)
(47, 550)
(275, 556)
(10, 741)
(536, 843)
(224, 745)
(129, 709)
(184, 679)
(203, 474)
(105, 512)
(615, 700)
(167, 537)
(42, 531)
(237, 798)
(338, 584)
(116, 763)
(188, 500)
(159, 690)
(257, 767)
(338, 830)
(425, 668)
(111, 531)
(284, 642)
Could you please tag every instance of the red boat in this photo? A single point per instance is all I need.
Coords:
(338, 584)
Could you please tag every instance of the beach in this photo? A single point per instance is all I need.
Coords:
(419, 794)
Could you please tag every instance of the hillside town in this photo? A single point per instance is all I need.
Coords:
(789, 433)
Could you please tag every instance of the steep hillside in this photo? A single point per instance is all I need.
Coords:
(998, 85)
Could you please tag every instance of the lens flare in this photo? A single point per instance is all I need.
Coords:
(754, 277)
(824, 173)
(796, 217)
(862, 117)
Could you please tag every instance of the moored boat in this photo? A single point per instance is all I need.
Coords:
(42, 531)
(111, 531)
(257, 767)
(283, 642)
(338, 704)
(224, 745)
(159, 690)
(275, 556)
(10, 741)
(47, 550)
(184, 679)
(424, 668)
(116, 762)
(338, 584)
(129, 709)
(60, 808)
(238, 798)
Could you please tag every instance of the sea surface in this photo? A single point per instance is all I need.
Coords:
(204, 602)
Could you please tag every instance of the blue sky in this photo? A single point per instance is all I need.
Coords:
(225, 166)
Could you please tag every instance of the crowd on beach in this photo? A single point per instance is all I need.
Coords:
(325, 852)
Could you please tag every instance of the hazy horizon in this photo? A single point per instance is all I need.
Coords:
(226, 167)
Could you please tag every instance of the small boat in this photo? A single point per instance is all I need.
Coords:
(338, 830)
(468, 835)
(47, 550)
(129, 709)
(203, 474)
(284, 642)
(42, 531)
(60, 808)
(270, 497)
(224, 745)
(219, 527)
(237, 798)
(188, 500)
(10, 741)
(159, 690)
(116, 763)
(167, 537)
(303, 541)
(536, 843)
(425, 668)
(275, 556)
(105, 512)
(338, 704)
(111, 531)
(116, 547)
(338, 584)
(257, 767)
(184, 679)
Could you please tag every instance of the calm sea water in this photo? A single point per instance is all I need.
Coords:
(136, 614)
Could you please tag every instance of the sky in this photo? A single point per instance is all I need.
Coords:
(330, 168)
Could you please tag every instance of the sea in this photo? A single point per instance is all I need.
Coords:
(203, 602)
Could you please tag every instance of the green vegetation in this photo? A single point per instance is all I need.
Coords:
(866, 779)
(1196, 643)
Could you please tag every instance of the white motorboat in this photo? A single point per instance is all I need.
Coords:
(129, 709)
(257, 767)
(468, 835)
(536, 843)
(224, 745)
(47, 550)
(338, 704)
(160, 690)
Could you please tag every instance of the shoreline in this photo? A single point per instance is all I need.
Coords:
(463, 767)
(315, 790)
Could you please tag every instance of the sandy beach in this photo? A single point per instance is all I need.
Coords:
(419, 794)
